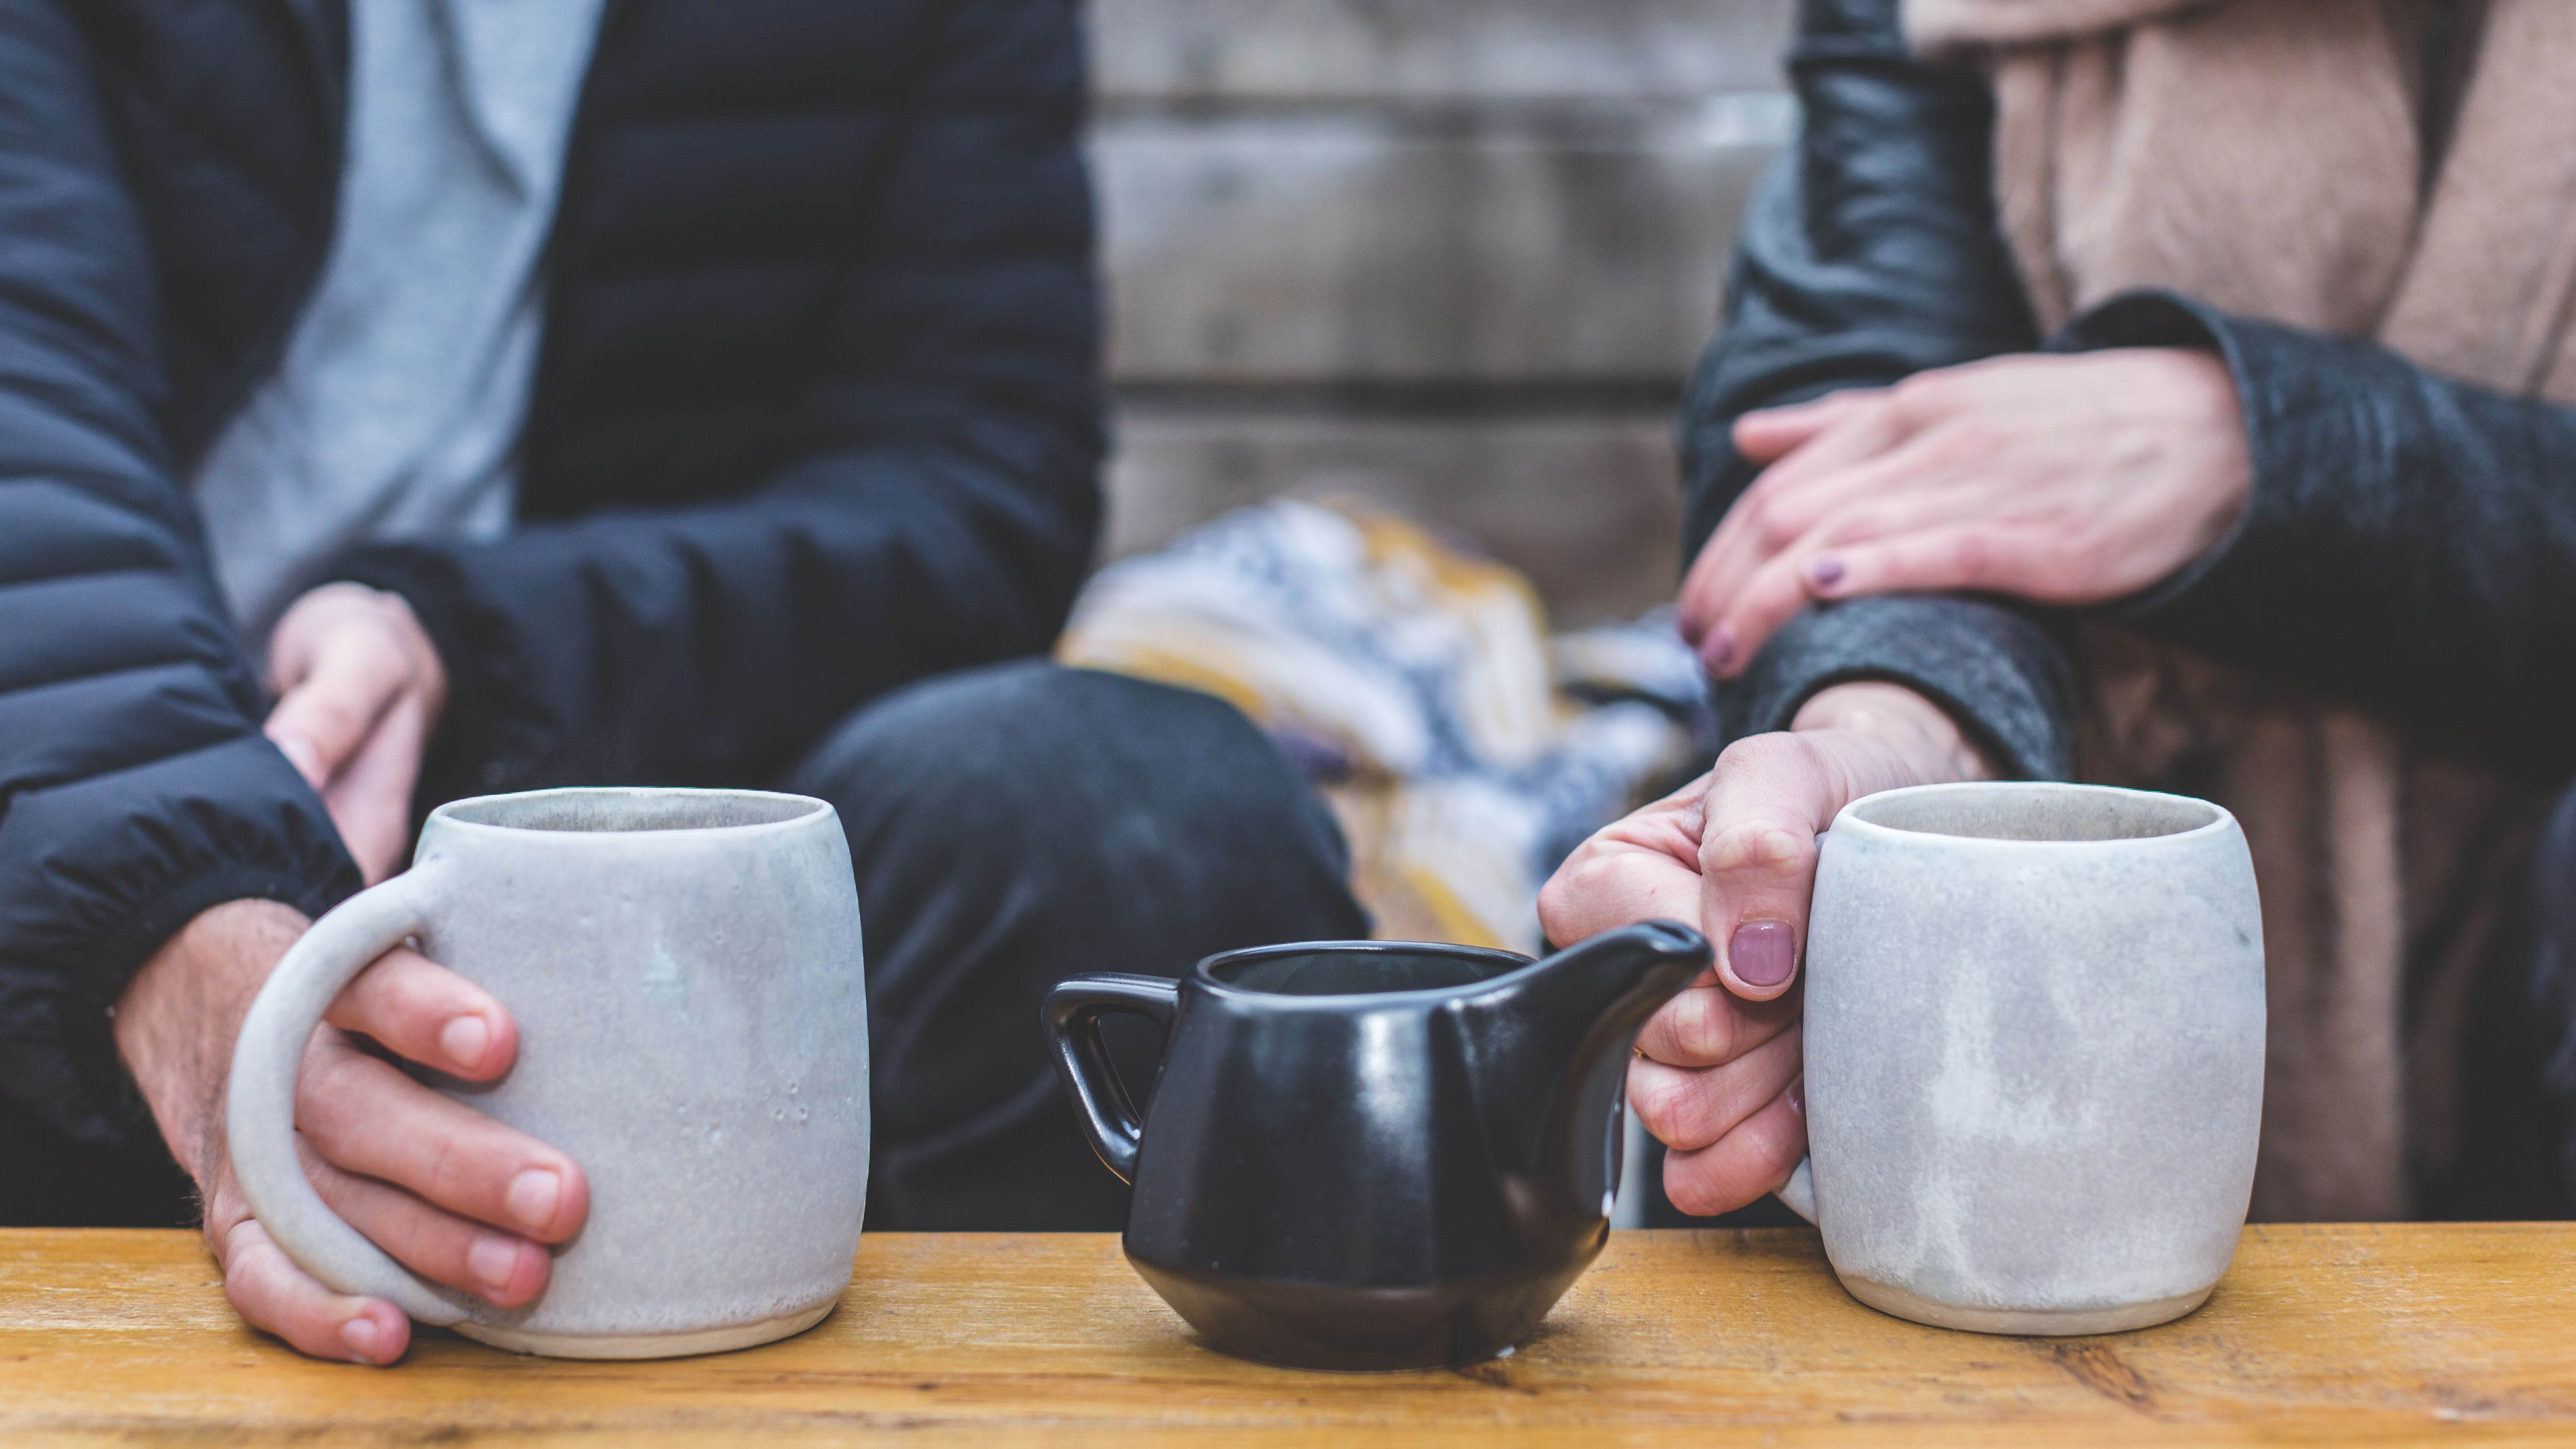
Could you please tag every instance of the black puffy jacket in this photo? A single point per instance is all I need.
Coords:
(815, 414)
(2410, 542)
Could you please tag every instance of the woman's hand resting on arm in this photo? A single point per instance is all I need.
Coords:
(2061, 479)
(1735, 853)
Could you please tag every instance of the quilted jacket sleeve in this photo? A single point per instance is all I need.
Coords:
(940, 514)
(135, 788)
(1870, 252)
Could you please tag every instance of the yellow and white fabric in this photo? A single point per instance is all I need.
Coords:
(1463, 751)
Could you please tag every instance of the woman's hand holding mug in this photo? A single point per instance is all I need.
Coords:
(1717, 1079)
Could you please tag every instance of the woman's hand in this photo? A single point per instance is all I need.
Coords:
(360, 687)
(2066, 480)
(1717, 1079)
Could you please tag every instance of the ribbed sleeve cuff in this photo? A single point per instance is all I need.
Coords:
(1995, 670)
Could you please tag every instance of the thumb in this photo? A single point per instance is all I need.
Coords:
(1768, 799)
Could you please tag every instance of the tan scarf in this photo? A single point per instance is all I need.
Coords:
(2294, 160)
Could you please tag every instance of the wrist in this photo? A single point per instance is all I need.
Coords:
(176, 1021)
(1926, 739)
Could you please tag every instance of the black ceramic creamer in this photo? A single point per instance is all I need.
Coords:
(1368, 1154)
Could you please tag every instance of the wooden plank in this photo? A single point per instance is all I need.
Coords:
(1588, 506)
(1338, 247)
(1417, 50)
(2319, 1335)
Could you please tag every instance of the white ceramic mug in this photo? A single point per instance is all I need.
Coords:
(685, 970)
(2034, 1054)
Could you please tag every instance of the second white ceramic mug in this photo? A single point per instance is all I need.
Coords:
(685, 970)
(2034, 1054)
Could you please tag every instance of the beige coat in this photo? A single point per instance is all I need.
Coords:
(2299, 160)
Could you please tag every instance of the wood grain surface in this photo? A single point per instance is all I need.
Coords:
(2325, 1335)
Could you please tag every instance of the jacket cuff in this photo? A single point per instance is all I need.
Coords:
(89, 999)
(1997, 672)
(2159, 318)
(101, 873)
(2328, 423)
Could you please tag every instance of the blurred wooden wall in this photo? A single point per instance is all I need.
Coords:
(1452, 255)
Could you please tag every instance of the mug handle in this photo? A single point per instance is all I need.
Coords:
(259, 1111)
(1798, 1194)
(1072, 1019)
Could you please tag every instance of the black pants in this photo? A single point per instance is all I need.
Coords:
(1010, 826)
(2514, 1148)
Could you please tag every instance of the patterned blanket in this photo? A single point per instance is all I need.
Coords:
(1464, 751)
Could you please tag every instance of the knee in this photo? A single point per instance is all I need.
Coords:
(2549, 888)
(1032, 756)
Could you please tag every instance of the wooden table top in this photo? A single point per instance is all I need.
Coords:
(2341, 1335)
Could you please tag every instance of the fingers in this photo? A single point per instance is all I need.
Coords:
(1911, 482)
(1772, 514)
(1981, 557)
(1754, 1159)
(1688, 1109)
(1708, 1025)
(339, 658)
(322, 719)
(504, 1268)
(1733, 852)
(1642, 867)
(268, 1290)
(1760, 605)
(364, 1116)
(1765, 434)
(423, 1012)
(370, 799)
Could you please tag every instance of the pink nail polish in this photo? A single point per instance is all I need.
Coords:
(1763, 953)
(1719, 648)
(1798, 1096)
(1824, 573)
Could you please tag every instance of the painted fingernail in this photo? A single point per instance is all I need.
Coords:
(533, 1196)
(492, 1259)
(1824, 573)
(1719, 647)
(465, 1039)
(1798, 1096)
(361, 1335)
(1763, 953)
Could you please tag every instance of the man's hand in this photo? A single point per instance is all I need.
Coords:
(449, 1192)
(2066, 480)
(359, 689)
(1718, 1074)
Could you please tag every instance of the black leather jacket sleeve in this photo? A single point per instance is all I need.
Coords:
(937, 508)
(135, 787)
(2409, 543)
(2410, 540)
(1871, 252)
